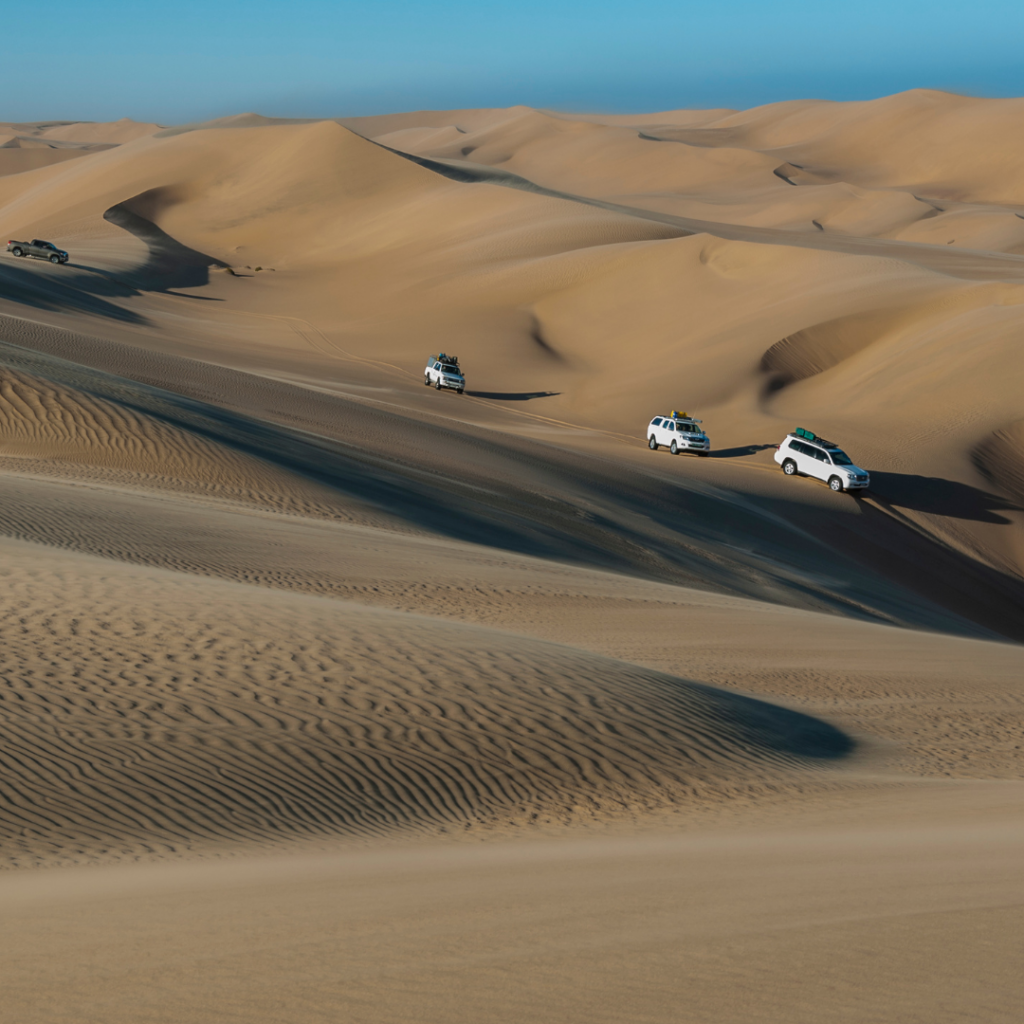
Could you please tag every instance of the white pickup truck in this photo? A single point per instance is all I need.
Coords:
(443, 371)
(679, 433)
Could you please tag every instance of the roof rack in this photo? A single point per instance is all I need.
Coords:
(443, 358)
(809, 435)
(677, 415)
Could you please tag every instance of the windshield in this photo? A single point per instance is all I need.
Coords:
(840, 458)
(688, 428)
(451, 369)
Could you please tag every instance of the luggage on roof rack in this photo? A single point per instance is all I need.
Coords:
(809, 435)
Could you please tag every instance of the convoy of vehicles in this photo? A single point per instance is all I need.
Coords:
(801, 453)
(679, 433)
(39, 249)
(804, 453)
(443, 371)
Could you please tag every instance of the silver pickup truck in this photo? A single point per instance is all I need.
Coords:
(38, 248)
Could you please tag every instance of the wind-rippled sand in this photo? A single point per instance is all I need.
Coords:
(325, 696)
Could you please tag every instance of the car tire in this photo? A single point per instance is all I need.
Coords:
(835, 484)
(652, 444)
(55, 259)
(789, 467)
(437, 383)
(17, 252)
(459, 391)
(703, 455)
(426, 380)
(674, 448)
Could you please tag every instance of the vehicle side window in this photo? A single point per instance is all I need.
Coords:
(656, 422)
(820, 455)
(798, 446)
(437, 366)
(671, 426)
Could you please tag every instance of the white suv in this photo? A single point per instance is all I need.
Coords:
(809, 455)
(679, 432)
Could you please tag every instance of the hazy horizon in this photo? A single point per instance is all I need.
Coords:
(318, 59)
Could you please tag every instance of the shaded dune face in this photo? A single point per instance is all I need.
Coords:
(1000, 458)
(815, 349)
(225, 716)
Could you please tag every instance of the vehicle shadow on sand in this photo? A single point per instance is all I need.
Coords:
(736, 453)
(169, 265)
(513, 396)
(940, 497)
(62, 293)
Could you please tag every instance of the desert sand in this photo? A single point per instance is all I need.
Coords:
(329, 697)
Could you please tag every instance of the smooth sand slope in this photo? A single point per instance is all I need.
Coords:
(326, 696)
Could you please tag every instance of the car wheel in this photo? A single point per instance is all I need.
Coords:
(437, 383)
(652, 444)
(459, 390)
(789, 467)
(703, 455)
(426, 380)
(55, 259)
(16, 252)
(674, 448)
(835, 483)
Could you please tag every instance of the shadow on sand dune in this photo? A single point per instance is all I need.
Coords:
(54, 289)
(940, 497)
(76, 287)
(169, 264)
(512, 396)
(514, 494)
(738, 453)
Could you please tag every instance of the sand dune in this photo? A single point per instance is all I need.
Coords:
(28, 147)
(335, 720)
(1001, 458)
(267, 593)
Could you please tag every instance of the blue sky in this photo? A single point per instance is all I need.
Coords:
(189, 60)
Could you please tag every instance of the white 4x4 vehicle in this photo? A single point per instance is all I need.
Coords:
(809, 455)
(679, 432)
(443, 372)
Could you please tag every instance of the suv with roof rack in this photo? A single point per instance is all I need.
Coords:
(679, 433)
(806, 454)
(443, 372)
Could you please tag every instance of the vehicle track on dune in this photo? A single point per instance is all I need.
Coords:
(967, 264)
